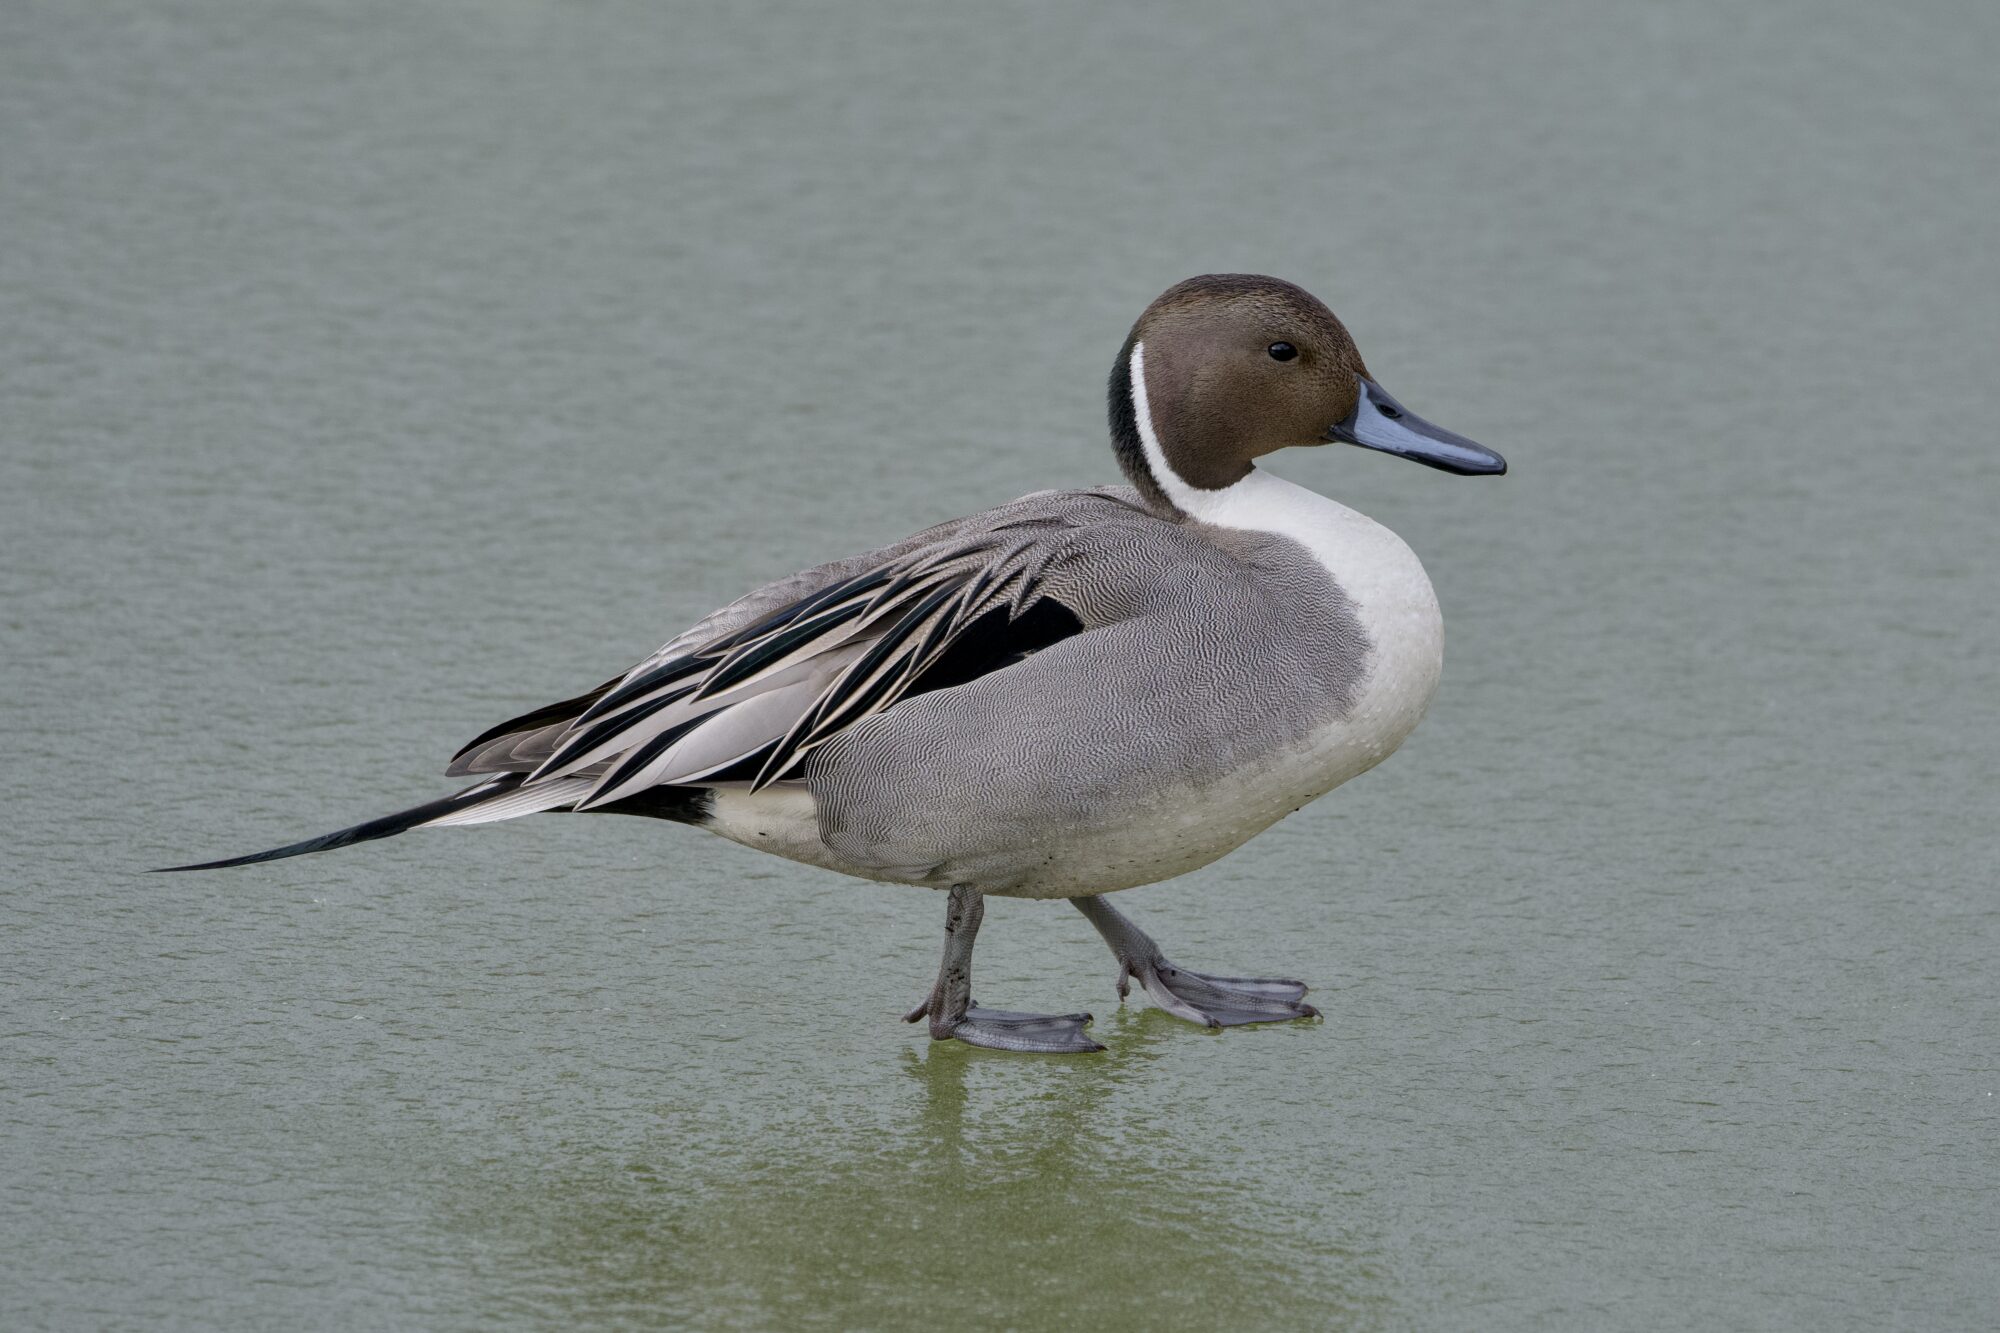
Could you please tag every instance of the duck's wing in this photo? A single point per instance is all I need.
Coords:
(745, 695)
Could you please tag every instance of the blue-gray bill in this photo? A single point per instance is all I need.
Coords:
(1378, 421)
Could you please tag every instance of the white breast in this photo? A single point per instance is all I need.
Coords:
(1380, 576)
(1392, 598)
(1186, 826)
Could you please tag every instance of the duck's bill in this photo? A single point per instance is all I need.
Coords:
(1380, 422)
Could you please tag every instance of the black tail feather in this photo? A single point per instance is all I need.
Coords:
(541, 717)
(388, 826)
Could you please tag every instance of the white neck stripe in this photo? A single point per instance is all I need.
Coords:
(1190, 500)
(1259, 502)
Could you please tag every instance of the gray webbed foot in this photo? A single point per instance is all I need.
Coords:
(1005, 1030)
(954, 1017)
(1216, 1002)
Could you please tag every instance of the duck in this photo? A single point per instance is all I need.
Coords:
(1067, 696)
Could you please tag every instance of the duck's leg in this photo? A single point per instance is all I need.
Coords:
(1216, 1002)
(953, 1014)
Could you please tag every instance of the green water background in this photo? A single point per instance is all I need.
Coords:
(370, 372)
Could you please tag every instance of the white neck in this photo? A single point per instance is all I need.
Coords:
(1259, 502)
(1379, 575)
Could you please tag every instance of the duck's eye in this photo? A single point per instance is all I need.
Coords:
(1282, 351)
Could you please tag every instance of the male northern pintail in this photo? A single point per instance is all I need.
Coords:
(1078, 692)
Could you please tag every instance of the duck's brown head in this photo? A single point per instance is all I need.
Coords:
(1223, 369)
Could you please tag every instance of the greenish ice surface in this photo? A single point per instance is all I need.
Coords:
(372, 372)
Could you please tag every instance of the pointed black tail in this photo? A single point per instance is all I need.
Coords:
(388, 826)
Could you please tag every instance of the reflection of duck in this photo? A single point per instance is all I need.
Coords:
(1079, 692)
(1059, 1114)
(1061, 1194)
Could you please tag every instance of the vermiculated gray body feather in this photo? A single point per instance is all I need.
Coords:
(1101, 664)
(1073, 694)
